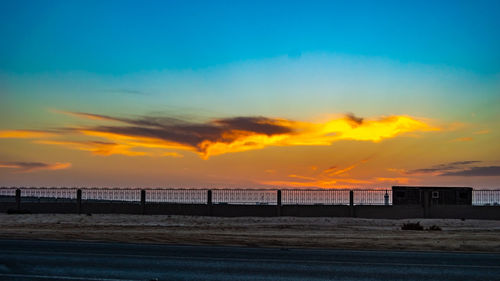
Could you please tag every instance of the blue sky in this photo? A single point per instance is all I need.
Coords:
(118, 37)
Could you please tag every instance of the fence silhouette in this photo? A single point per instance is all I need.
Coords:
(224, 196)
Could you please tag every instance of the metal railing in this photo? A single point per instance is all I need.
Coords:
(372, 197)
(111, 194)
(183, 196)
(7, 194)
(244, 196)
(46, 194)
(315, 197)
(486, 197)
(226, 196)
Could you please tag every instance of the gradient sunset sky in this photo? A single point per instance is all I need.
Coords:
(271, 94)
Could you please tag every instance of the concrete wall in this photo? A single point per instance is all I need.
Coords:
(4, 206)
(466, 212)
(111, 208)
(315, 211)
(229, 210)
(389, 212)
(177, 209)
(45, 208)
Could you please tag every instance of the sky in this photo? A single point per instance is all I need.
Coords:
(250, 94)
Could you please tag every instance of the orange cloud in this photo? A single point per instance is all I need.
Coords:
(110, 148)
(399, 180)
(96, 147)
(325, 179)
(482, 132)
(341, 171)
(24, 134)
(332, 183)
(302, 177)
(27, 167)
(226, 135)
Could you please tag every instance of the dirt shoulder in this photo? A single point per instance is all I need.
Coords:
(345, 233)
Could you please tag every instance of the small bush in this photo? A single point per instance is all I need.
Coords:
(412, 226)
(434, 228)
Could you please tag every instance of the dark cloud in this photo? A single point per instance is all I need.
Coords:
(460, 168)
(26, 165)
(452, 166)
(224, 130)
(354, 119)
(33, 166)
(464, 162)
(259, 125)
(487, 171)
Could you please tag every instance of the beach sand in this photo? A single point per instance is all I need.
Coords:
(283, 232)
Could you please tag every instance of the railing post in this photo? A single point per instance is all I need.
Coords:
(143, 201)
(79, 201)
(351, 203)
(278, 203)
(209, 197)
(209, 202)
(18, 199)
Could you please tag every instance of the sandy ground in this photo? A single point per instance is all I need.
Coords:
(346, 233)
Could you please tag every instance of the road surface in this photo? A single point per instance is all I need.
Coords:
(52, 260)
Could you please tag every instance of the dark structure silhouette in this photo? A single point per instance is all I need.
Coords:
(431, 195)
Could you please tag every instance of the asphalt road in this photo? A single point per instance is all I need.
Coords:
(51, 260)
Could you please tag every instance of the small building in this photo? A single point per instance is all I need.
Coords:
(431, 195)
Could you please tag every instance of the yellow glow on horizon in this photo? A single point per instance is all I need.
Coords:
(326, 184)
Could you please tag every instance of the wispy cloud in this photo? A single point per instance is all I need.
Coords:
(442, 168)
(460, 168)
(27, 167)
(84, 115)
(487, 171)
(482, 132)
(333, 177)
(117, 135)
(319, 183)
(398, 180)
(96, 147)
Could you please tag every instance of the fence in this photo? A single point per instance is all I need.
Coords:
(315, 197)
(486, 197)
(184, 196)
(34, 194)
(244, 196)
(225, 196)
(372, 197)
(108, 194)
